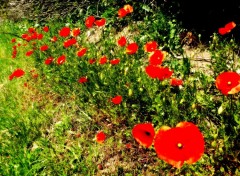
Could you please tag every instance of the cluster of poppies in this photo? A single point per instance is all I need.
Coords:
(155, 69)
(183, 143)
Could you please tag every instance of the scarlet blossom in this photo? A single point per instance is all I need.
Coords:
(117, 99)
(17, 73)
(144, 134)
(229, 26)
(176, 82)
(156, 57)
(103, 60)
(24, 36)
(226, 81)
(61, 59)
(114, 61)
(89, 21)
(122, 41)
(54, 39)
(92, 61)
(81, 52)
(122, 13)
(75, 32)
(152, 71)
(150, 46)
(48, 61)
(184, 143)
(13, 40)
(29, 53)
(33, 36)
(39, 36)
(31, 30)
(100, 22)
(82, 80)
(132, 48)
(45, 28)
(69, 42)
(100, 137)
(164, 73)
(65, 32)
(222, 31)
(159, 72)
(128, 8)
(44, 48)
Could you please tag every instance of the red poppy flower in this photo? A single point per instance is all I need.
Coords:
(226, 81)
(176, 82)
(64, 32)
(13, 40)
(17, 73)
(29, 53)
(152, 71)
(31, 30)
(144, 134)
(92, 61)
(229, 26)
(61, 59)
(176, 145)
(89, 21)
(156, 57)
(45, 28)
(114, 61)
(75, 32)
(103, 60)
(82, 80)
(122, 41)
(54, 39)
(128, 8)
(122, 13)
(81, 52)
(222, 31)
(161, 73)
(100, 137)
(164, 73)
(150, 46)
(132, 48)
(24, 36)
(39, 36)
(117, 99)
(48, 61)
(100, 22)
(69, 42)
(44, 48)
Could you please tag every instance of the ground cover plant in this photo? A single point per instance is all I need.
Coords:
(107, 95)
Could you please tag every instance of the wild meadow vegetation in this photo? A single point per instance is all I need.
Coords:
(105, 94)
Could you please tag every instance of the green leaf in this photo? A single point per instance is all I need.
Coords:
(146, 8)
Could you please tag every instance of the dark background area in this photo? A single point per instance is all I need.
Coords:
(204, 16)
(199, 16)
